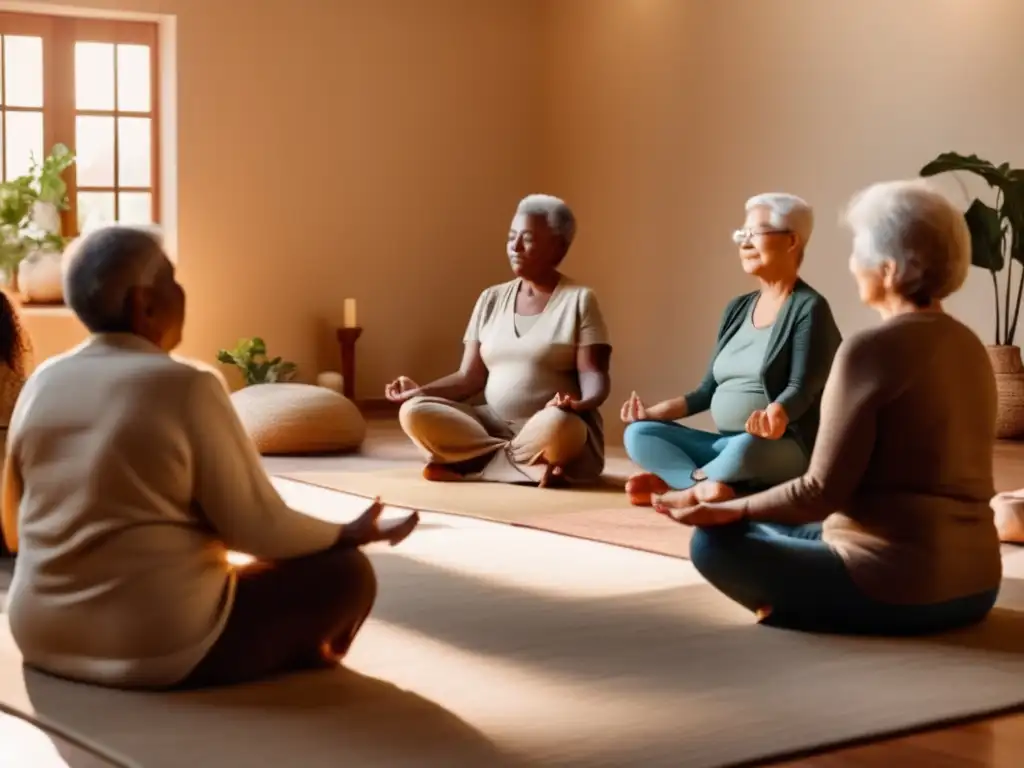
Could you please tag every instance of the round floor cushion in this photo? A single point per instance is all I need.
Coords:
(299, 418)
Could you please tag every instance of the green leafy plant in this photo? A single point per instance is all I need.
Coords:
(997, 232)
(20, 235)
(48, 176)
(250, 357)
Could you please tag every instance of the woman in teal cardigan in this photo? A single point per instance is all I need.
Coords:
(763, 387)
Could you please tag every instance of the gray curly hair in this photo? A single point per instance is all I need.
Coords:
(102, 267)
(556, 211)
(919, 230)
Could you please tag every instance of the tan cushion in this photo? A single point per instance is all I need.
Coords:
(299, 418)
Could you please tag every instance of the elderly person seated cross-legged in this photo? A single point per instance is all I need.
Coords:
(773, 354)
(538, 350)
(902, 470)
(129, 478)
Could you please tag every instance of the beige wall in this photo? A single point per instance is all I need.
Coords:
(669, 114)
(333, 148)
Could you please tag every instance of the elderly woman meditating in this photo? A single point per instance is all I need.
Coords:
(128, 479)
(901, 473)
(538, 350)
(763, 387)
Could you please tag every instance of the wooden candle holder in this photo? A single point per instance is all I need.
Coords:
(347, 338)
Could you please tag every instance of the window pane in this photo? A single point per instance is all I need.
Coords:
(94, 147)
(95, 209)
(23, 71)
(94, 75)
(23, 140)
(134, 140)
(133, 78)
(135, 208)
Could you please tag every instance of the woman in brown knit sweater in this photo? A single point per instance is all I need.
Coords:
(901, 473)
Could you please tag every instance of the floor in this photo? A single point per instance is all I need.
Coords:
(992, 742)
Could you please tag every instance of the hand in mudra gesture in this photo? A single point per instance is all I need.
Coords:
(368, 528)
(633, 410)
(703, 515)
(401, 389)
(770, 423)
(564, 401)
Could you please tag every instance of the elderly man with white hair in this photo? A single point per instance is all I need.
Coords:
(129, 478)
(763, 387)
(538, 350)
(901, 473)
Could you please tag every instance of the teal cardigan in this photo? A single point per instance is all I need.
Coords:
(797, 362)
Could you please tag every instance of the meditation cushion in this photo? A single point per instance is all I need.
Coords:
(299, 418)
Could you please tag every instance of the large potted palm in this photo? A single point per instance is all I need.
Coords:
(997, 241)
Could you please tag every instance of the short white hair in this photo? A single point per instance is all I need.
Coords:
(556, 211)
(919, 229)
(786, 211)
(101, 269)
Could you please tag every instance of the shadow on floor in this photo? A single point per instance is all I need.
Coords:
(314, 720)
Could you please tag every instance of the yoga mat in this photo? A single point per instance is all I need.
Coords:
(599, 514)
(496, 646)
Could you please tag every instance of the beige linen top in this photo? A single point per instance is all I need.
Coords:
(129, 475)
(525, 370)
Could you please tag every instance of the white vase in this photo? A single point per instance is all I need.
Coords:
(46, 218)
(40, 277)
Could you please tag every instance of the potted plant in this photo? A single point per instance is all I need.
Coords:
(30, 208)
(997, 241)
(250, 357)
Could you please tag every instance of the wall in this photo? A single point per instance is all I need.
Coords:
(669, 114)
(340, 148)
(335, 148)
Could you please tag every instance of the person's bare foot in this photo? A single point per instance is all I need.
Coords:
(675, 499)
(710, 491)
(642, 486)
(438, 473)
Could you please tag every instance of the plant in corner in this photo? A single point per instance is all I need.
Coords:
(250, 357)
(997, 241)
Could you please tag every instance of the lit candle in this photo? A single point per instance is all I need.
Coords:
(350, 313)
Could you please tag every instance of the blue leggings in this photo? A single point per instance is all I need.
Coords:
(806, 585)
(672, 452)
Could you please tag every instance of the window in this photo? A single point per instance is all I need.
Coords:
(90, 84)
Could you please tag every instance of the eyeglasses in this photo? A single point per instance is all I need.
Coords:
(742, 236)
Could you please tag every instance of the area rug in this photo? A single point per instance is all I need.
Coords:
(498, 646)
(598, 514)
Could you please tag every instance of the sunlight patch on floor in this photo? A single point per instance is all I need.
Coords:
(574, 568)
(501, 554)
(517, 705)
(24, 744)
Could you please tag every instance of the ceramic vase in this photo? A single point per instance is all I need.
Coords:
(40, 279)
